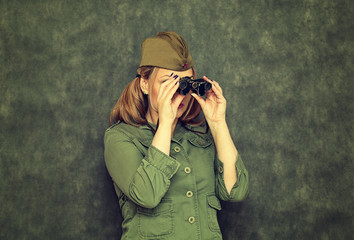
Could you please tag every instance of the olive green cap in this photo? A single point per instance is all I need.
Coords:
(166, 50)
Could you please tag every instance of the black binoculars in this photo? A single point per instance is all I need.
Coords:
(198, 86)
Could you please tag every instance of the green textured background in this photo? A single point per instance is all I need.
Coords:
(286, 68)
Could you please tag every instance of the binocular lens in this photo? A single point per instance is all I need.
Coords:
(183, 85)
(207, 86)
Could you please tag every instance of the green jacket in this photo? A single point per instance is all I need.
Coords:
(169, 197)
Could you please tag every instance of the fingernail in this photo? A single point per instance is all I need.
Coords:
(171, 74)
(176, 82)
(175, 77)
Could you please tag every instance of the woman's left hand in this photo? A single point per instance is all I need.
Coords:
(214, 106)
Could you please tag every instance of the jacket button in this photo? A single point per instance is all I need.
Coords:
(187, 170)
(221, 169)
(189, 194)
(191, 219)
(177, 149)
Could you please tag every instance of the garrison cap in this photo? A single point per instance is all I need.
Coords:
(166, 50)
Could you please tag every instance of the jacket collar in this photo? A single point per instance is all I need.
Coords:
(179, 132)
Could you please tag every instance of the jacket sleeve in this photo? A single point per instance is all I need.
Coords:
(240, 190)
(143, 179)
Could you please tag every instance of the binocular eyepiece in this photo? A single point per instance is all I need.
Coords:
(198, 86)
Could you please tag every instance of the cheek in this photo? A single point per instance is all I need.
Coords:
(187, 99)
(155, 92)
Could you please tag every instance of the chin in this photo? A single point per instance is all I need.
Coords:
(181, 111)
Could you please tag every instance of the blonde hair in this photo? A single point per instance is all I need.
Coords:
(132, 105)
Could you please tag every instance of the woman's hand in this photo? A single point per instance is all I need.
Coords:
(167, 105)
(214, 106)
(168, 101)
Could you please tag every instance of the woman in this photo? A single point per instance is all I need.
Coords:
(169, 165)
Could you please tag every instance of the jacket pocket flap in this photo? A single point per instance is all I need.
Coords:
(164, 206)
(199, 142)
(214, 202)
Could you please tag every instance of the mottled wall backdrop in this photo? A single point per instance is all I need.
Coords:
(287, 71)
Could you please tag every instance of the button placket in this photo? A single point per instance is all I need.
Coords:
(191, 219)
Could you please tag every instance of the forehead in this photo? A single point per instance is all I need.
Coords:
(166, 72)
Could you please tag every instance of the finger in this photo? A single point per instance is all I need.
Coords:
(210, 94)
(168, 87)
(208, 79)
(172, 79)
(177, 99)
(200, 100)
(216, 89)
(167, 93)
(167, 82)
(205, 78)
(170, 92)
(213, 83)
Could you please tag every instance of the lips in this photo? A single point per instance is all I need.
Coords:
(180, 106)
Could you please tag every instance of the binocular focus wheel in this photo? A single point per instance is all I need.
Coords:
(194, 85)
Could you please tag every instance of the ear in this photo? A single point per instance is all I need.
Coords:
(144, 85)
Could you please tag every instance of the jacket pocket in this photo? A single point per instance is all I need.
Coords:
(156, 222)
(213, 206)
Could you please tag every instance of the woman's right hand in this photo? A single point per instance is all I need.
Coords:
(168, 101)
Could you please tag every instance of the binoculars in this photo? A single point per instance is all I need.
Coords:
(198, 86)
